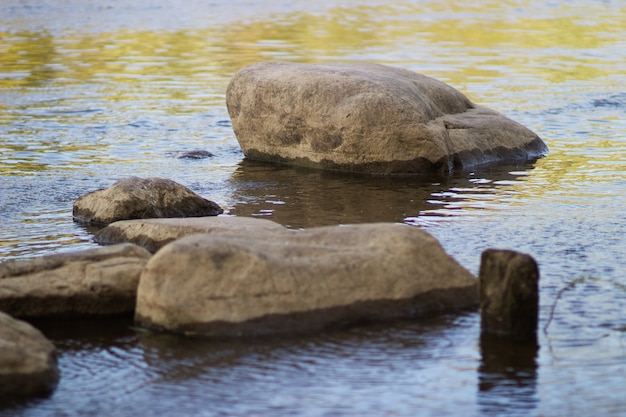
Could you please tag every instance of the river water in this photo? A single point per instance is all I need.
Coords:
(91, 92)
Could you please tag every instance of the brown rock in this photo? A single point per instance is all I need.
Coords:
(509, 295)
(152, 234)
(91, 282)
(370, 118)
(299, 281)
(28, 363)
(141, 198)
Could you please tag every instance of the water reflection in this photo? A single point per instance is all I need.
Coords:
(300, 197)
(507, 376)
(91, 92)
(111, 368)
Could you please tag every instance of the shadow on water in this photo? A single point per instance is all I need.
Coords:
(507, 376)
(302, 197)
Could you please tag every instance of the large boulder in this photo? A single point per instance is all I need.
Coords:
(153, 234)
(28, 362)
(371, 118)
(97, 281)
(247, 284)
(141, 198)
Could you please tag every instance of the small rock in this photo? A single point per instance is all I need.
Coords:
(273, 282)
(91, 282)
(141, 198)
(153, 234)
(195, 154)
(28, 362)
(509, 295)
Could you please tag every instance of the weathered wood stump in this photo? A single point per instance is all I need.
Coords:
(509, 295)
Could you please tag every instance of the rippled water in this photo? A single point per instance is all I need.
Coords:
(93, 92)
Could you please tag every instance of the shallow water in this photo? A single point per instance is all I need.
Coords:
(91, 93)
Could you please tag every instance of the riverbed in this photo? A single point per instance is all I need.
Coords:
(92, 92)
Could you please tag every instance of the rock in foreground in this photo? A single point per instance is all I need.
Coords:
(91, 282)
(28, 363)
(153, 234)
(141, 198)
(229, 285)
(369, 118)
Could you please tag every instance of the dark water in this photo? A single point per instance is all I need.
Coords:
(93, 92)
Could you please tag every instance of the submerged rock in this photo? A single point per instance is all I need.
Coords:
(273, 282)
(28, 362)
(195, 154)
(152, 234)
(368, 118)
(141, 198)
(96, 281)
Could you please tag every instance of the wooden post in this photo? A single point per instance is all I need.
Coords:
(509, 295)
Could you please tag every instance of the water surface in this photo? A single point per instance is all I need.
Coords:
(94, 92)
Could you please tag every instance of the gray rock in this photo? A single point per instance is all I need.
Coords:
(195, 154)
(141, 198)
(153, 234)
(96, 281)
(28, 362)
(369, 118)
(246, 284)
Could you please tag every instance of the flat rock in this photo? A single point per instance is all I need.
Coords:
(153, 234)
(368, 118)
(28, 362)
(141, 198)
(96, 281)
(247, 284)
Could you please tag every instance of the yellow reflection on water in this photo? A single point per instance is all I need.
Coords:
(504, 46)
(441, 27)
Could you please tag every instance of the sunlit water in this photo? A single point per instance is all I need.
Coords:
(91, 92)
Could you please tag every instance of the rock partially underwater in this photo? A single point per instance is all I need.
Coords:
(282, 282)
(141, 198)
(90, 282)
(28, 361)
(368, 118)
